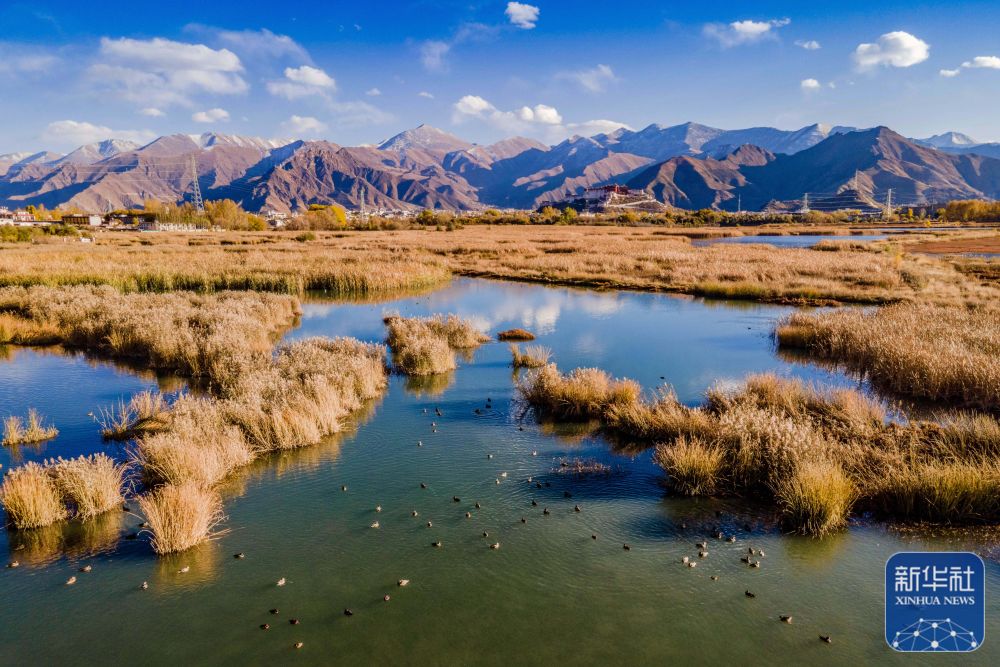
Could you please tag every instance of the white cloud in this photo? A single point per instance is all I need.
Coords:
(432, 55)
(983, 62)
(303, 126)
(540, 120)
(810, 84)
(521, 15)
(302, 82)
(424, 93)
(23, 59)
(808, 45)
(215, 115)
(358, 114)
(163, 72)
(743, 32)
(72, 132)
(262, 44)
(152, 112)
(593, 80)
(893, 49)
(979, 62)
(373, 92)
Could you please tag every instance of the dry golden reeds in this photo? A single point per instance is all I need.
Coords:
(31, 497)
(28, 431)
(533, 356)
(145, 412)
(426, 346)
(91, 484)
(180, 516)
(693, 466)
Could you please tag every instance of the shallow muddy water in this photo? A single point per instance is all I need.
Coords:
(551, 594)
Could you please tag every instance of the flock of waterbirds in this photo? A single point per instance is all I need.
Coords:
(751, 557)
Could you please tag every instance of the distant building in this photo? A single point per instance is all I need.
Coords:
(82, 220)
(612, 198)
(275, 219)
(21, 216)
(6, 217)
(157, 226)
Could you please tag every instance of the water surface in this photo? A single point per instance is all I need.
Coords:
(551, 594)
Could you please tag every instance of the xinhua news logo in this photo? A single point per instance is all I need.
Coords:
(935, 601)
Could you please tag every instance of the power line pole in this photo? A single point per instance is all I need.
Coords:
(364, 210)
(888, 204)
(805, 203)
(198, 204)
(739, 203)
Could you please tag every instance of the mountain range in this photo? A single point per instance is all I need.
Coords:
(687, 165)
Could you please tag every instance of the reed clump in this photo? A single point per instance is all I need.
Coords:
(92, 484)
(533, 356)
(515, 335)
(693, 466)
(145, 412)
(817, 452)
(30, 430)
(584, 393)
(180, 516)
(426, 346)
(933, 352)
(30, 497)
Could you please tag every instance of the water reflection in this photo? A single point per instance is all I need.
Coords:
(70, 539)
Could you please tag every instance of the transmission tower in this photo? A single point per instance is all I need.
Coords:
(805, 203)
(364, 209)
(888, 204)
(198, 204)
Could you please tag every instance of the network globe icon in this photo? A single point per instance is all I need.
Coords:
(935, 635)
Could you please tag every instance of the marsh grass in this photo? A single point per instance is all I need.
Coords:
(28, 431)
(815, 497)
(533, 356)
(145, 412)
(693, 466)
(515, 335)
(31, 497)
(582, 394)
(427, 346)
(943, 353)
(91, 484)
(180, 516)
(816, 452)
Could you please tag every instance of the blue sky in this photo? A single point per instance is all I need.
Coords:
(358, 72)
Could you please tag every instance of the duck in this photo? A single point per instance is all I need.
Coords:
(702, 554)
(534, 503)
(456, 499)
(495, 546)
(386, 597)
(489, 456)
(756, 563)
(715, 577)
(750, 595)
(348, 612)
(86, 568)
(144, 586)
(414, 513)
(538, 485)
(534, 452)
(693, 563)
(485, 534)
(478, 506)
(274, 612)
(626, 547)
(702, 545)
(422, 485)
(11, 565)
(685, 560)
(71, 581)
(293, 621)
(745, 559)
(343, 487)
(468, 515)
(593, 536)
(576, 508)
(378, 508)
(719, 536)
(403, 582)
(785, 619)
(523, 520)
(298, 645)
(420, 443)
(760, 552)
(438, 412)
(281, 582)
(265, 626)
(498, 480)
(375, 524)
(184, 570)
(239, 556)
(750, 551)
(546, 511)
(520, 428)
(429, 524)
(503, 475)
(477, 411)
(826, 638)
(732, 538)
(436, 544)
